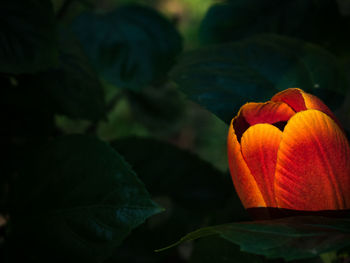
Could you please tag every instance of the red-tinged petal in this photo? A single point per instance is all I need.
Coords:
(245, 184)
(312, 102)
(268, 112)
(313, 168)
(300, 100)
(293, 97)
(259, 148)
(253, 113)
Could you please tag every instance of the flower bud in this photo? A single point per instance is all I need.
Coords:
(290, 153)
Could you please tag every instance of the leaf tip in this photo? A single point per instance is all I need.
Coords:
(167, 247)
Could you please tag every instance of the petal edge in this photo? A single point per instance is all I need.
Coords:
(312, 170)
(245, 184)
(260, 145)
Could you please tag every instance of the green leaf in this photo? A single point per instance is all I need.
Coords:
(73, 87)
(77, 199)
(202, 186)
(305, 19)
(218, 250)
(193, 192)
(131, 47)
(223, 77)
(28, 36)
(159, 109)
(288, 238)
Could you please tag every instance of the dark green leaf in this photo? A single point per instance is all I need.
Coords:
(223, 77)
(131, 46)
(193, 192)
(28, 36)
(317, 21)
(159, 109)
(288, 238)
(218, 250)
(77, 200)
(73, 87)
(202, 186)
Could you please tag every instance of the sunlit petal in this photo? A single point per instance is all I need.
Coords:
(312, 102)
(244, 182)
(313, 168)
(253, 113)
(259, 148)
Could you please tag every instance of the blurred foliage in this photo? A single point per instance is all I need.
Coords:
(27, 43)
(117, 72)
(317, 21)
(221, 77)
(68, 210)
(131, 47)
(77, 91)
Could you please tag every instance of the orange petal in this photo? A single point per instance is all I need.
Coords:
(253, 113)
(293, 97)
(312, 102)
(300, 100)
(245, 184)
(268, 112)
(313, 168)
(259, 148)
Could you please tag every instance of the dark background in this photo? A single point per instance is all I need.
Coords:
(114, 117)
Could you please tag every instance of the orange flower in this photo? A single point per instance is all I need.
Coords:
(289, 153)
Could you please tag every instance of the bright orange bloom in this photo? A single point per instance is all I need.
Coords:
(289, 153)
